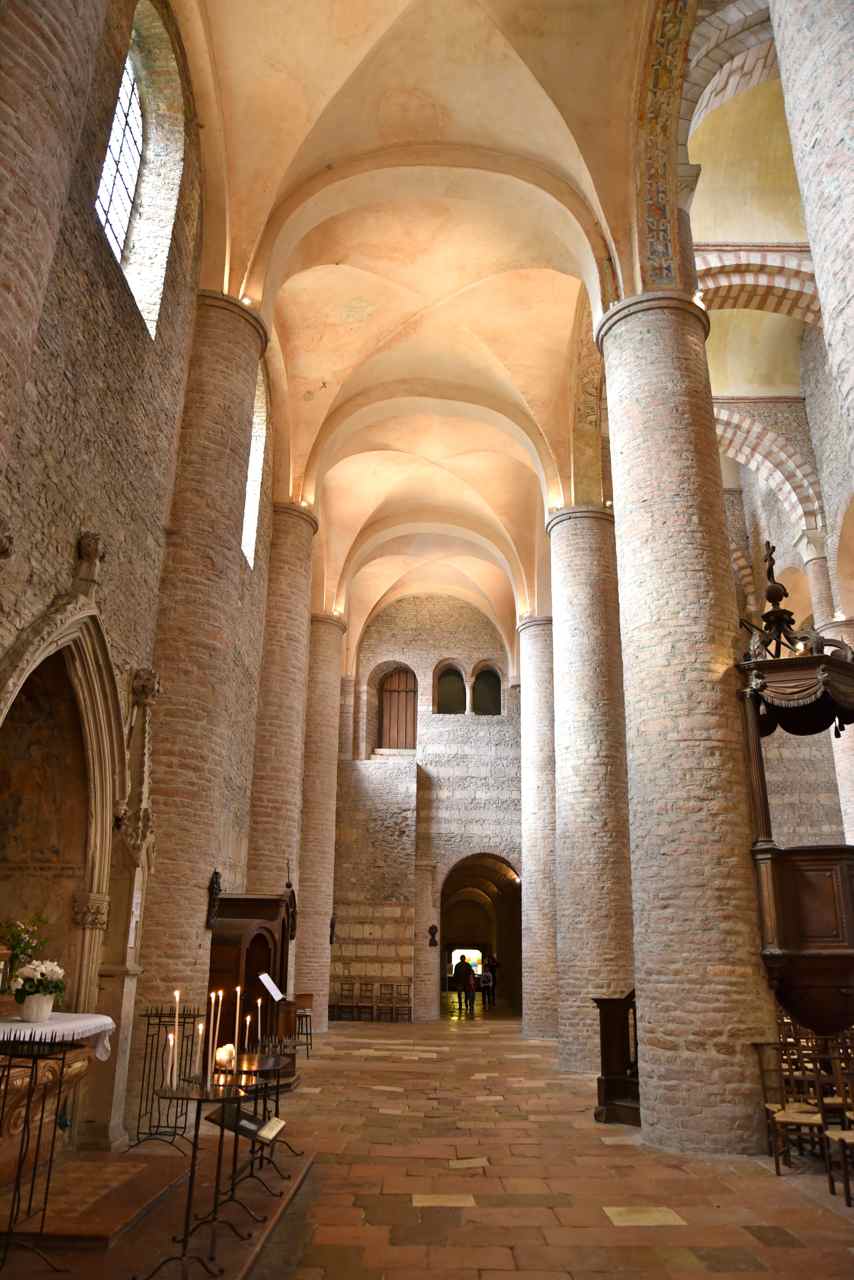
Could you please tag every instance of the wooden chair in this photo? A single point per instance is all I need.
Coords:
(347, 999)
(403, 1002)
(384, 1007)
(334, 998)
(304, 1004)
(365, 1002)
(804, 1114)
(842, 1139)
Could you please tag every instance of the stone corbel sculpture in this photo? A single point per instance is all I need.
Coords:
(90, 552)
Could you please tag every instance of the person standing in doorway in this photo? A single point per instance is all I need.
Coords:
(486, 987)
(471, 988)
(462, 970)
(492, 965)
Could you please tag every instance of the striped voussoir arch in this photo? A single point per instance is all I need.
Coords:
(776, 461)
(733, 33)
(744, 577)
(758, 278)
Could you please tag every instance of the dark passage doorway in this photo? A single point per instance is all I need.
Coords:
(482, 916)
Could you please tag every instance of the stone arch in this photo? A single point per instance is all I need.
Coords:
(758, 280)
(743, 574)
(723, 59)
(73, 628)
(449, 664)
(367, 705)
(164, 108)
(771, 457)
(487, 665)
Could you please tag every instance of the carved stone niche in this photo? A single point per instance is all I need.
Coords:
(806, 893)
(91, 910)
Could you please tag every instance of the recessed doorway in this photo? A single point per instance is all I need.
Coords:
(482, 918)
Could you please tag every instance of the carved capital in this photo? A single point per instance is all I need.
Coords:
(91, 910)
(811, 545)
(145, 688)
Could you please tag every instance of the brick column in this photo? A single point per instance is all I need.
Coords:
(320, 781)
(426, 960)
(701, 989)
(539, 944)
(348, 711)
(594, 901)
(47, 58)
(199, 596)
(815, 48)
(274, 836)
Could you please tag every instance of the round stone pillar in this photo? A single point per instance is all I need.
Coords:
(319, 788)
(814, 40)
(426, 959)
(47, 58)
(539, 943)
(274, 838)
(199, 602)
(594, 902)
(702, 995)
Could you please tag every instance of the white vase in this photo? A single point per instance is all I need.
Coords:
(36, 1008)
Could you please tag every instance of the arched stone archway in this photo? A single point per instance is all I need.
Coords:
(481, 909)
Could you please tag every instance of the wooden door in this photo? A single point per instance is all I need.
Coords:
(398, 709)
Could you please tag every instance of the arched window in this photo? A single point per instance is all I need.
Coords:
(399, 709)
(255, 470)
(450, 693)
(486, 694)
(120, 175)
(141, 178)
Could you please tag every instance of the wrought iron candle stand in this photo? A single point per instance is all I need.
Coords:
(162, 1119)
(41, 1063)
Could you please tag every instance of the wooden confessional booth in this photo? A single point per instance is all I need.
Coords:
(800, 682)
(251, 935)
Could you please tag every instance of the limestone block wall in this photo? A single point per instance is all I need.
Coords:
(375, 869)
(404, 821)
(95, 443)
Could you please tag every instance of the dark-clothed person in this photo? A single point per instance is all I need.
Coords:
(462, 972)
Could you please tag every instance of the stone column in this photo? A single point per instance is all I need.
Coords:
(594, 901)
(701, 990)
(810, 545)
(47, 58)
(274, 837)
(539, 943)
(199, 598)
(815, 48)
(320, 782)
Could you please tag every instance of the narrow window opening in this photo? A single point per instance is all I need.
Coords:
(120, 175)
(450, 693)
(486, 695)
(255, 471)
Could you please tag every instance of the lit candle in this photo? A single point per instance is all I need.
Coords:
(174, 1079)
(219, 996)
(236, 1025)
(259, 1020)
(170, 1051)
(210, 1035)
(197, 1052)
(246, 1039)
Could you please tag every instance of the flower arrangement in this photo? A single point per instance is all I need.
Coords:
(24, 938)
(38, 978)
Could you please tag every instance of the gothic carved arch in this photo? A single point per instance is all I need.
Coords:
(72, 627)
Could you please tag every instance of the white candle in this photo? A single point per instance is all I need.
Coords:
(246, 1039)
(259, 1020)
(170, 1051)
(197, 1051)
(236, 1026)
(210, 1035)
(174, 1079)
(219, 996)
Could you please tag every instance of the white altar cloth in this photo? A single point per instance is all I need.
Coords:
(65, 1026)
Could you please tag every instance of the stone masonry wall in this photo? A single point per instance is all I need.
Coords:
(829, 435)
(404, 821)
(95, 445)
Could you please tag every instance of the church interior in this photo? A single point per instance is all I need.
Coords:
(426, 531)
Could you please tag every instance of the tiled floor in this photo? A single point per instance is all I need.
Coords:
(458, 1149)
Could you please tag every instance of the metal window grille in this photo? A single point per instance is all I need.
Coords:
(120, 174)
